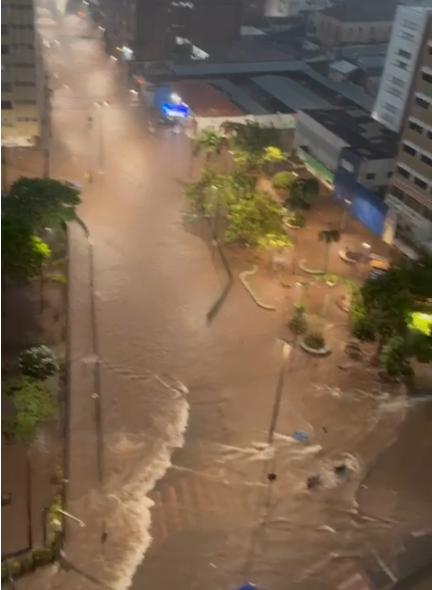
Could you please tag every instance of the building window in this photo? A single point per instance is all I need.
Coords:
(409, 150)
(421, 102)
(398, 82)
(6, 86)
(396, 192)
(389, 174)
(6, 105)
(405, 54)
(420, 183)
(403, 171)
(427, 77)
(415, 127)
(25, 101)
(426, 159)
(5, 49)
(400, 64)
(429, 134)
(370, 176)
(4, 29)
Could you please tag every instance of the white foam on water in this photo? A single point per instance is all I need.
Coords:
(130, 506)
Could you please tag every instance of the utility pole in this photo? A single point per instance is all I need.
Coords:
(286, 354)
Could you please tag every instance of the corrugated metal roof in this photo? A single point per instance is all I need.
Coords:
(351, 91)
(240, 97)
(290, 93)
(212, 69)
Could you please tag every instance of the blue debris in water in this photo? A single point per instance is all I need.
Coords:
(248, 587)
(301, 436)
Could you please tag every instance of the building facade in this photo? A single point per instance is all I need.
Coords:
(355, 22)
(22, 75)
(410, 196)
(287, 8)
(400, 66)
(159, 29)
(347, 140)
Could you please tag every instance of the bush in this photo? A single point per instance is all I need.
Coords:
(38, 362)
(359, 320)
(298, 323)
(393, 358)
(27, 564)
(314, 340)
(42, 556)
(34, 405)
(283, 180)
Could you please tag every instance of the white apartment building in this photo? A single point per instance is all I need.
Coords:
(286, 8)
(410, 196)
(401, 63)
(22, 75)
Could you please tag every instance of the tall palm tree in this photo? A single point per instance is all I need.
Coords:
(328, 236)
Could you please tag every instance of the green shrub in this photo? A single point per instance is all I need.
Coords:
(283, 180)
(27, 563)
(42, 556)
(38, 362)
(298, 323)
(314, 340)
(359, 320)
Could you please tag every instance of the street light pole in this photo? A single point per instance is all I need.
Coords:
(346, 203)
(286, 354)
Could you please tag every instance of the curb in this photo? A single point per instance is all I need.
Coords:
(310, 271)
(97, 373)
(247, 273)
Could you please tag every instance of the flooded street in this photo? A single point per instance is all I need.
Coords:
(184, 501)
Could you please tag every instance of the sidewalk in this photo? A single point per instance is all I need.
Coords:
(28, 473)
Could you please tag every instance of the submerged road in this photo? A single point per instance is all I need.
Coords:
(177, 390)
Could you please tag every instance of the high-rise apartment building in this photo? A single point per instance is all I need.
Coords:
(22, 74)
(410, 196)
(401, 64)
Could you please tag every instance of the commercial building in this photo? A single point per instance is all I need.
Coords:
(22, 75)
(165, 29)
(355, 21)
(410, 196)
(401, 65)
(348, 139)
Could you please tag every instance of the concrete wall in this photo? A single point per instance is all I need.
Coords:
(281, 121)
(320, 143)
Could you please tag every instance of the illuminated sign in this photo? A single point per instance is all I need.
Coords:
(180, 111)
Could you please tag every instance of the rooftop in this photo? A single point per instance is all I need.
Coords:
(205, 100)
(363, 134)
(363, 11)
(291, 93)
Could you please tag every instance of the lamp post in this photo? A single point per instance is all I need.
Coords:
(343, 223)
(367, 248)
(286, 354)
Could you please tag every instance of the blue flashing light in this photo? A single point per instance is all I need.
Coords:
(179, 111)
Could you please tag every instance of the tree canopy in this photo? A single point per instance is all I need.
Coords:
(252, 217)
(41, 202)
(23, 253)
(382, 310)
